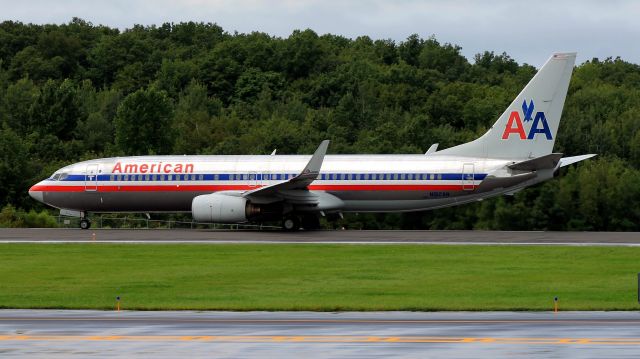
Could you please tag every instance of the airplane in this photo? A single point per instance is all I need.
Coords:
(515, 153)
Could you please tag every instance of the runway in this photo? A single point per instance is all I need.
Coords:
(52, 334)
(150, 236)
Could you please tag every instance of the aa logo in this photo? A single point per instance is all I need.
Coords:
(515, 125)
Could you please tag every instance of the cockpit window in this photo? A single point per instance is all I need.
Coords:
(59, 176)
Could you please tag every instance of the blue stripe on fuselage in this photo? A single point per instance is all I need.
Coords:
(278, 177)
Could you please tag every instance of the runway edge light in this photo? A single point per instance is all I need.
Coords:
(118, 303)
(555, 304)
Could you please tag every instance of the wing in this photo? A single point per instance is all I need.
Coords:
(294, 189)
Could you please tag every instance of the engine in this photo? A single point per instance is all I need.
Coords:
(224, 208)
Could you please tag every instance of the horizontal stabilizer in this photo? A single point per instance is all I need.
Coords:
(570, 160)
(544, 162)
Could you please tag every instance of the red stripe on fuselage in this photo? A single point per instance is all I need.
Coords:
(243, 187)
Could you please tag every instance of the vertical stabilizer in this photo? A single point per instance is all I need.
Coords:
(528, 127)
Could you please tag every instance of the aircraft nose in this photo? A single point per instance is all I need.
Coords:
(36, 194)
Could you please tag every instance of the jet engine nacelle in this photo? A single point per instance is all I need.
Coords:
(220, 208)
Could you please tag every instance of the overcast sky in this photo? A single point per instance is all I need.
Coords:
(527, 30)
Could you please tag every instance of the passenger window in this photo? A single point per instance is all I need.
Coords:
(200, 177)
(439, 176)
(216, 177)
(111, 178)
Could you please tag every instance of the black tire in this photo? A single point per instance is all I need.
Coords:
(85, 223)
(310, 222)
(290, 223)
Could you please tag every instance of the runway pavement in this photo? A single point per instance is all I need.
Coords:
(52, 334)
(24, 235)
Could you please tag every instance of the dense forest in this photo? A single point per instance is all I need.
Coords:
(78, 91)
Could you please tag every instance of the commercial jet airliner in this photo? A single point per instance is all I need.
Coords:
(516, 152)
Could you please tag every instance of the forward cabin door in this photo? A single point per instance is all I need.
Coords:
(467, 177)
(91, 178)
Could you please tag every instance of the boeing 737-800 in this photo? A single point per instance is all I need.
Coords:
(516, 152)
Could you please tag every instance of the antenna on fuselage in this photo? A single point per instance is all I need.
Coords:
(274, 151)
(432, 149)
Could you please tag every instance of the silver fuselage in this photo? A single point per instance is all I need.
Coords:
(364, 183)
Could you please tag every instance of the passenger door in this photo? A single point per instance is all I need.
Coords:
(467, 177)
(91, 178)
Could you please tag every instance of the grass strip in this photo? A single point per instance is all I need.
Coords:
(318, 277)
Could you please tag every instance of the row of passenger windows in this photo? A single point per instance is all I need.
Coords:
(156, 177)
(252, 177)
(380, 176)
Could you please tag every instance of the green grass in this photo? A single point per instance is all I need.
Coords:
(318, 277)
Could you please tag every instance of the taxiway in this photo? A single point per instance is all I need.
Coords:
(51, 333)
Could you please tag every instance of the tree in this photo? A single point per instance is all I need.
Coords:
(143, 123)
(57, 110)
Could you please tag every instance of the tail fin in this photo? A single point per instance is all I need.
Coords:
(528, 128)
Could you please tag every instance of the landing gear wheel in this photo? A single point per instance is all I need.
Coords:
(310, 222)
(291, 223)
(85, 223)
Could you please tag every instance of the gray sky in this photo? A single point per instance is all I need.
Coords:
(527, 30)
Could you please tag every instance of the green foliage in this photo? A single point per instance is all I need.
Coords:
(14, 218)
(143, 123)
(78, 91)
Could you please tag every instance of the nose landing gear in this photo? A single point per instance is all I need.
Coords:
(85, 223)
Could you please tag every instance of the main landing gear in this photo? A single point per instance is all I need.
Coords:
(291, 223)
(309, 222)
